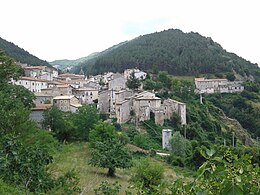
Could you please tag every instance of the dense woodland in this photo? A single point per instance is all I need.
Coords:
(20, 55)
(170, 50)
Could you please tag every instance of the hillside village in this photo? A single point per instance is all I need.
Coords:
(109, 92)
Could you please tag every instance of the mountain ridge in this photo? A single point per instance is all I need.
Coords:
(172, 50)
(21, 55)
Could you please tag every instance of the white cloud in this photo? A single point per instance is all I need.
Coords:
(57, 29)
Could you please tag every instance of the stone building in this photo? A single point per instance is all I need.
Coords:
(144, 103)
(117, 83)
(106, 101)
(86, 95)
(126, 105)
(170, 106)
(37, 113)
(204, 85)
(123, 105)
(42, 98)
(66, 103)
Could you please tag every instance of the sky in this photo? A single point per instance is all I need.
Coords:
(70, 29)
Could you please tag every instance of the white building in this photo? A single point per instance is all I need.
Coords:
(41, 72)
(138, 74)
(204, 85)
(33, 84)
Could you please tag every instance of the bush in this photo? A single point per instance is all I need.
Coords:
(147, 176)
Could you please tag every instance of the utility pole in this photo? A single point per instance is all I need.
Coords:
(233, 139)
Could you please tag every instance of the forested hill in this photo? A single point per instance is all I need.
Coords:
(173, 50)
(20, 54)
(64, 64)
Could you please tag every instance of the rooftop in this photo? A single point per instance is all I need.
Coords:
(204, 79)
(32, 79)
(63, 97)
(86, 89)
(41, 106)
(35, 67)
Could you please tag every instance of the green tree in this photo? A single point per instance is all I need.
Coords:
(149, 84)
(84, 120)
(147, 177)
(222, 174)
(164, 78)
(58, 122)
(15, 101)
(231, 76)
(180, 146)
(108, 149)
(8, 69)
(133, 82)
(25, 166)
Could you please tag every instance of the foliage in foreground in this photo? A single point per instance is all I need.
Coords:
(220, 174)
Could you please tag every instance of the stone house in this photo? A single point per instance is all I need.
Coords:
(170, 106)
(37, 113)
(66, 103)
(58, 90)
(123, 105)
(117, 83)
(106, 101)
(86, 95)
(42, 98)
(144, 103)
(209, 86)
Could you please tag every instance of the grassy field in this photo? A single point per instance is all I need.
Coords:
(76, 155)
